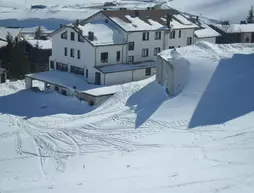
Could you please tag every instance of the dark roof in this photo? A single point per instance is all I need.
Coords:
(154, 14)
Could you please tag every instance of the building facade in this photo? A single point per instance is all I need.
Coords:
(118, 46)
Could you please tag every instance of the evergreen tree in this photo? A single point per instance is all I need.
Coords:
(14, 59)
(250, 17)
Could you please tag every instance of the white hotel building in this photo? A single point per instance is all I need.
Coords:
(118, 46)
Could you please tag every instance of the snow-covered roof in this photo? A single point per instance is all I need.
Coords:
(42, 44)
(206, 32)
(69, 80)
(144, 20)
(104, 33)
(3, 43)
(13, 31)
(136, 24)
(125, 67)
(236, 28)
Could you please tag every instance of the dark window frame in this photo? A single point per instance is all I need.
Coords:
(65, 51)
(189, 41)
(86, 73)
(157, 35)
(131, 45)
(72, 36)
(62, 67)
(145, 52)
(72, 51)
(104, 57)
(145, 36)
(81, 38)
(180, 33)
(64, 35)
(52, 64)
(171, 47)
(172, 35)
(118, 56)
(132, 59)
(148, 72)
(77, 70)
(157, 50)
(78, 54)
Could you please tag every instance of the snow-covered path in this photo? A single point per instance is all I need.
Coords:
(139, 140)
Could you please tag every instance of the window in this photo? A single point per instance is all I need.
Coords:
(72, 36)
(81, 38)
(65, 51)
(145, 52)
(72, 52)
(78, 53)
(180, 33)
(56, 88)
(171, 47)
(131, 45)
(173, 34)
(104, 57)
(118, 57)
(130, 58)
(64, 35)
(189, 40)
(52, 65)
(61, 66)
(77, 70)
(157, 51)
(157, 35)
(145, 36)
(148, 71)
(179, 46)
(86, 73)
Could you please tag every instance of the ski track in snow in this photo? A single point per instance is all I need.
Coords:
(111, 128)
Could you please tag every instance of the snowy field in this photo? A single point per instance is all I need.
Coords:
(19, 13)
(232, 10)
(140, 140)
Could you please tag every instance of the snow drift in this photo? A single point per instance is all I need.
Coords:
(139, 140)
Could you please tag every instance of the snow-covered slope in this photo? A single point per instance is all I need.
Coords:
(233, 10)
(140, 140)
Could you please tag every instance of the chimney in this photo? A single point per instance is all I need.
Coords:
(91, 36)
(136, 13)
(169, 19)
(77, 22)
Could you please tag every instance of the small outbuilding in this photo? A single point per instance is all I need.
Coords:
(172, 71)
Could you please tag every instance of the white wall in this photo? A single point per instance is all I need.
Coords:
(118, 77)
(141, 74)
(209, 39)
(137, 37)
(87, 51)
(126, 76)
(176, 42)
(112, 50)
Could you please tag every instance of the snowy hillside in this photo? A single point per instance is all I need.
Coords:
(139, 140)
(232, 10)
